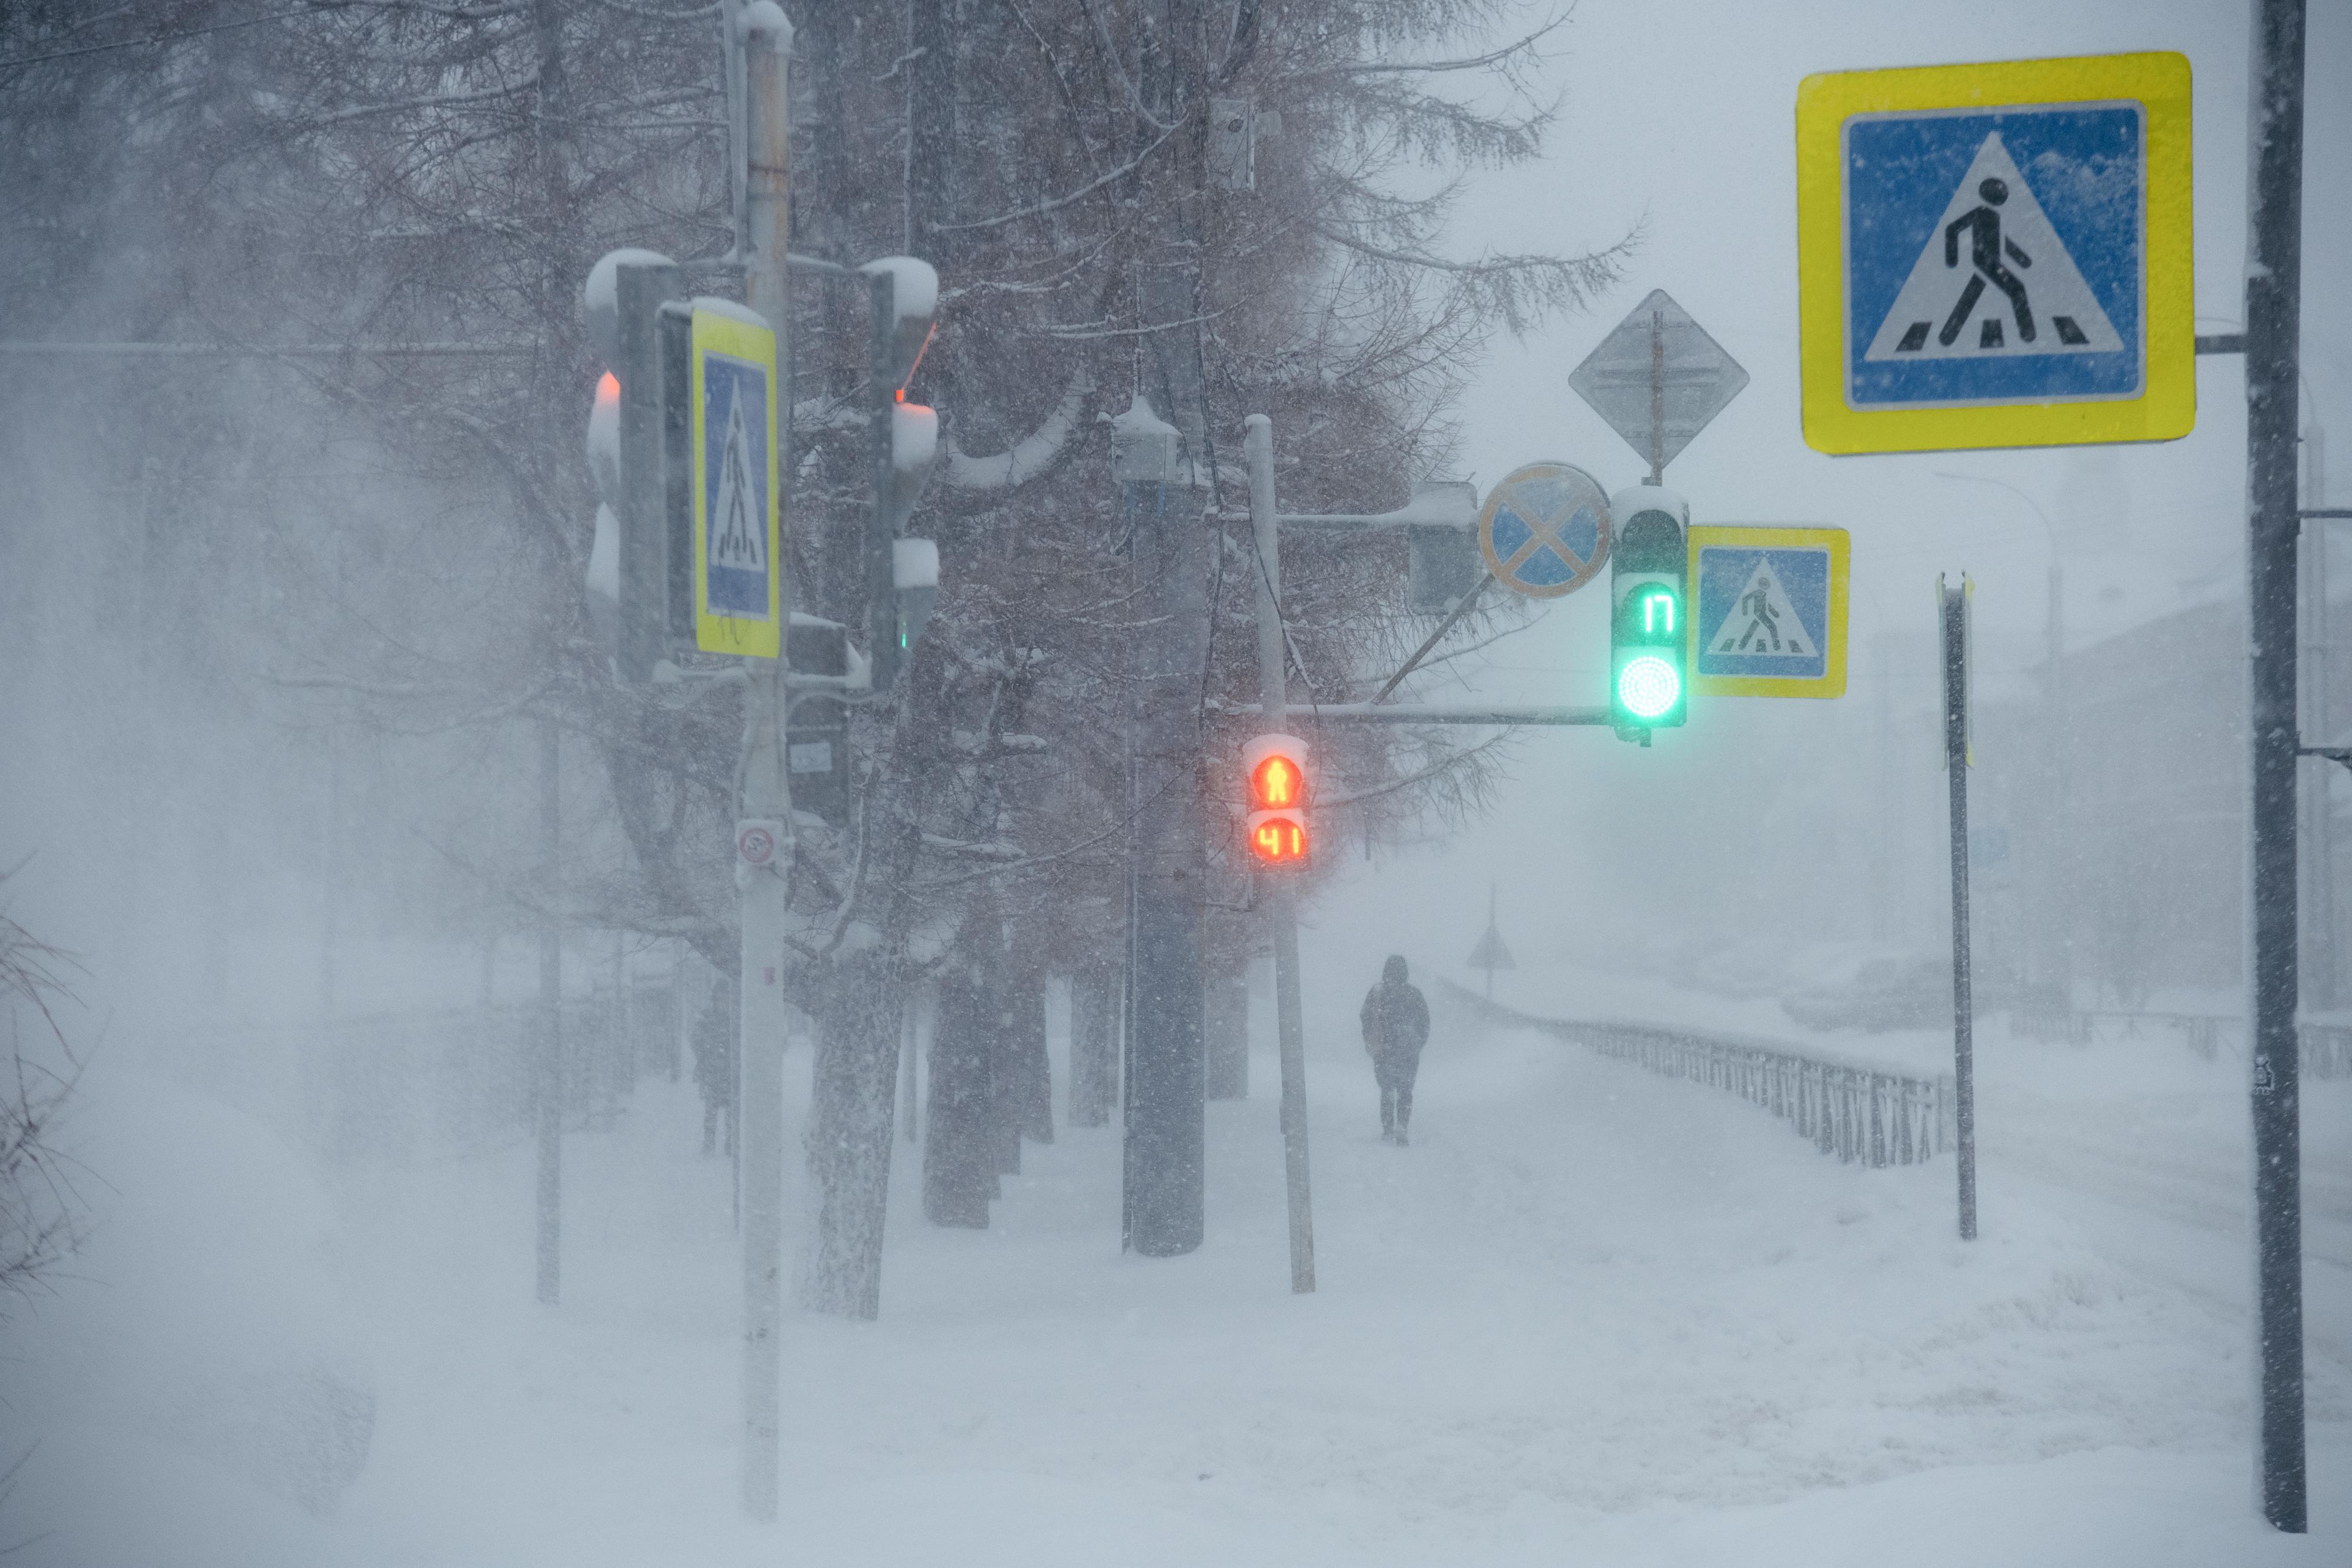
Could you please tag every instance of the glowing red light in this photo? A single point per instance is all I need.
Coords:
(608, 388)
(1277, 783)
(1278, 841)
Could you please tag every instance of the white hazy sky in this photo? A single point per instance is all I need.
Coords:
(1679, 118)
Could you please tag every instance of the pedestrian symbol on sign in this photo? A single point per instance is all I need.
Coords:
(1993, 232)
(1767, 610)
(1763, 622)
(738, 539)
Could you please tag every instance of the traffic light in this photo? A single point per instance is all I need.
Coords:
(1276, 768)
(904, 440)
(1649, 633)
(629, 566)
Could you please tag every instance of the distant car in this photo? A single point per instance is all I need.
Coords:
(1911, 991)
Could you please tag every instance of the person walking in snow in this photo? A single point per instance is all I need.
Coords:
(1396, 1026)
(714, 1064)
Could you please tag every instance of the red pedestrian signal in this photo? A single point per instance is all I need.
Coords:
(1276, 767)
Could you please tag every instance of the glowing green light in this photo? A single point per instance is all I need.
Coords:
(1648, 687)
(1658, 612)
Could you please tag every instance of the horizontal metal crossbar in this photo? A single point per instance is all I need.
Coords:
(1350, 522)
(1429, 713)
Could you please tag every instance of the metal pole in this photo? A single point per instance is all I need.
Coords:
(1167, 1128)
(2315, 840)
(549, 1076)
(1490, 957)
(2060, 875)
(1282, 913)
(1657, 399)
(909, 1044)
(759, 1108)
(1955, 766)
(1167, 1110)
(1461, 608)
(2274, 308)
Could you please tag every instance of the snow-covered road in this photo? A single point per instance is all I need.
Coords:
(1590, 1316)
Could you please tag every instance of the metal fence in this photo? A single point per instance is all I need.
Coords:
(2325, 1047)
(1870, 1115)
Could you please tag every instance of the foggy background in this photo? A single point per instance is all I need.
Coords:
(229, 856)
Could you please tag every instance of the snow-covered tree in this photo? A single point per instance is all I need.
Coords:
(398, 170)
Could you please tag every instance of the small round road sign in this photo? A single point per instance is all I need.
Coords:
(755, 842)
(1544, 530)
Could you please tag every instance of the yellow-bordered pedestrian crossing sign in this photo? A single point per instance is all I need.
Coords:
(1997, 254)
(1768, 612)
(739, 579)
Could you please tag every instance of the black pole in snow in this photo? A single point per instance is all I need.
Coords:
(1955, 769)
(2274, 309)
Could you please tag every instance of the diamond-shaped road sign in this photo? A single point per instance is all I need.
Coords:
(1658, 378)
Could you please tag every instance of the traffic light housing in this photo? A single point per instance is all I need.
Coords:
(1649, 631)
(629, 566)
(1273, 767)
(903, 436)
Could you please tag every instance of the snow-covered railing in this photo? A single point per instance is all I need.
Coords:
(2327, 1043)
(1870, 1114)
(1873, 1115)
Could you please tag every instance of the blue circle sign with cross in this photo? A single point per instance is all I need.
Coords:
(1544, 530)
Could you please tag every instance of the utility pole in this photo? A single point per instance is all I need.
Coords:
(548, 1064)
(763, 37)
(1166, 1129)
(1281, 904)
(2314, 841)
(1166, 1121)
(2274, 277)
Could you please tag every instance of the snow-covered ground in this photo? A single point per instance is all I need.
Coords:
(1590, 1316)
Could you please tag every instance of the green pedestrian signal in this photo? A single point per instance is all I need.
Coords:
(1648, 635)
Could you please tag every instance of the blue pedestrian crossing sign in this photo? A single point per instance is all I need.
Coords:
(1544, 530)
(1997, 254)
(737, 560)
(1767, 610)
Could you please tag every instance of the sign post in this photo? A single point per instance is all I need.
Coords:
(1491, 955)
(2273, 323)
(1952, 622)
(1281, 903)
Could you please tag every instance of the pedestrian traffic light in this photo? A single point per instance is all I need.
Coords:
(1275, 768)
(629, 564)
(1648, 629)
(904, 438)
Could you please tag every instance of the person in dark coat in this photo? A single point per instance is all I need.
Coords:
(1396, 1026)
(714, 1063)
